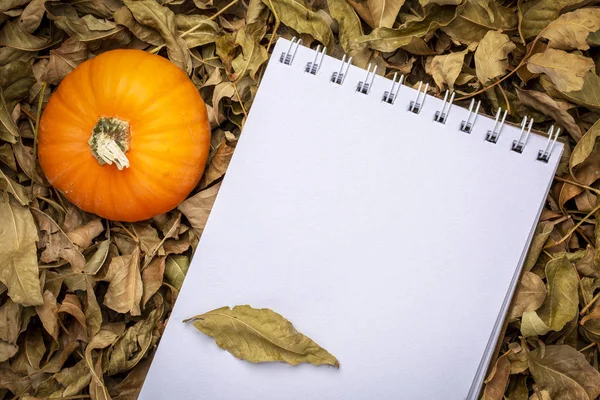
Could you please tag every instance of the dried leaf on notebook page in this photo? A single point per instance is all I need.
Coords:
(570, 30)
(564, 372)
(491, 56)
(566, 70)
(260, 335)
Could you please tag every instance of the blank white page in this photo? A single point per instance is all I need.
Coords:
(388, 238)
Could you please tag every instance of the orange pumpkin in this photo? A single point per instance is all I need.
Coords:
(125, 136)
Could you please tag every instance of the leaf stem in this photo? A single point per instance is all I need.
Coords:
(240, 100)
(505, 77)
(577, 184)
(572, 230)
(588, 305)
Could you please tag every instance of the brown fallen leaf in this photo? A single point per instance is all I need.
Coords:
(260, 335)
(570, 30)
(84, 235)
(547, 105)
(529, 295)
(561, 303)
(495, 383)
(197, 208)
(566, 70)
(125, 284)
(564, 372)
(491, 56)
(48, 314)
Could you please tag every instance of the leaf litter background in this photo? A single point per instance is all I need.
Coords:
(83, 301)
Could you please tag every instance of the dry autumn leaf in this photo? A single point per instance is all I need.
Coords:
(571, 30)
(260, 335)
(491, 56)
(566, 70)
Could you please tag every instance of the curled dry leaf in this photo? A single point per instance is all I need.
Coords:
(152, 278)
(84, 235)
(496, 382)
(260, 335)
(566, 70)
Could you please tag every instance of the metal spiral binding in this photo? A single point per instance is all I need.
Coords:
(544, 155)
(493, 135)
(519, 145)
(364, 86)
(314, 66)
(390, 96)
(287, 58)
(467, 126)
(416, 105)
(338, 77)
(442, 115)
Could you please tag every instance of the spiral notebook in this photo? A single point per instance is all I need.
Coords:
(388, 225)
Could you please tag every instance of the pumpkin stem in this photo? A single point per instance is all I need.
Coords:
(110, 141)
